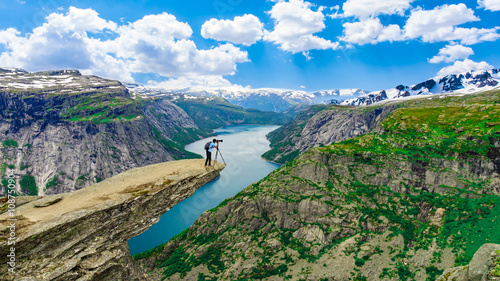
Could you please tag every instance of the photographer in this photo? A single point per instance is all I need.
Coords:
(208, 148)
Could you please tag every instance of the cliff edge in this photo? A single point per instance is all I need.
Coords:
(83, 235)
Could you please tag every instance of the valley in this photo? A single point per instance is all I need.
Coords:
(401, 189)
(417, 194)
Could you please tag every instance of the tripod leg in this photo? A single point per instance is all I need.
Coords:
(221, 156)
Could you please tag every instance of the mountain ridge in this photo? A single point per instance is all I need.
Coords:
(274, 99)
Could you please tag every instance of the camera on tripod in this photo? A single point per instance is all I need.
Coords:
(219, 140)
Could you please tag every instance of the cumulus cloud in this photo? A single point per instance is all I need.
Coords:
(156, 43)
(245, 30)
(452, 53)
(368, 8)
(295, 25)
(464, 66)
(370, 31)
(440, 24)
(492, 5)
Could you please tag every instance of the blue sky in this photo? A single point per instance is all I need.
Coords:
(293, 44)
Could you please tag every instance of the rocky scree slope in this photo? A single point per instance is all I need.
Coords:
(417, 196)
(83, 235)
(61, 131)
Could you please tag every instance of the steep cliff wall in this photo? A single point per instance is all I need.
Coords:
(83, 235)
(320, 126)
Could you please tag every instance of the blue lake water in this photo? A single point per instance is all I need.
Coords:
(241, 148)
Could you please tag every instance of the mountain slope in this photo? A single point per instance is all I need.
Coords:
(416, 196)
(322, 125)
(62, 131)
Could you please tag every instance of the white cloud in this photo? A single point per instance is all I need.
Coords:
(464, 66)
(440, 24)
(452, 53)
(492, 5)
(156, 43)
(368, 8)
(8, 35)
(370, 31)
(244, 30)
(295, 24)
(423, 22)
(202, 81)
(466, 36)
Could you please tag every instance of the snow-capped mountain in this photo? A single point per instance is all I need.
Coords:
(266, 99)
(464, 83)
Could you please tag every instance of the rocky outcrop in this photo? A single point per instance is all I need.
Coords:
(83, 235)
(484, 266)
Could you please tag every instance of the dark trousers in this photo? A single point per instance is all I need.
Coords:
(209, 158)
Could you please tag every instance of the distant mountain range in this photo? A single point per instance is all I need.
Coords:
(280, 100)
(266, 99)
(466, 83)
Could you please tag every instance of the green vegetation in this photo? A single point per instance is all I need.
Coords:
(51, 183)
(102, 108)
(174, 148)
(82, 179)
(28, 185)
(10, 143)
(223, 113)
(496, 269)
(282, 150)
(433, 272)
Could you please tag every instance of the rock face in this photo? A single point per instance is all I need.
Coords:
(404, 202)
(67, 131)
(62, 131)
(484, 266)
(83, 235)
(319, 126)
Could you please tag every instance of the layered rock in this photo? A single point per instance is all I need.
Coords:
(319, 127)
(83, 235)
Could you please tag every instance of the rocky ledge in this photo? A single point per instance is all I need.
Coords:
(484, 266)
(83, 235)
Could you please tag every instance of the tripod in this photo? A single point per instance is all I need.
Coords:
(216, 154)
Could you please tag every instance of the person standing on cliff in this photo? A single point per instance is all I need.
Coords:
(208, 148)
